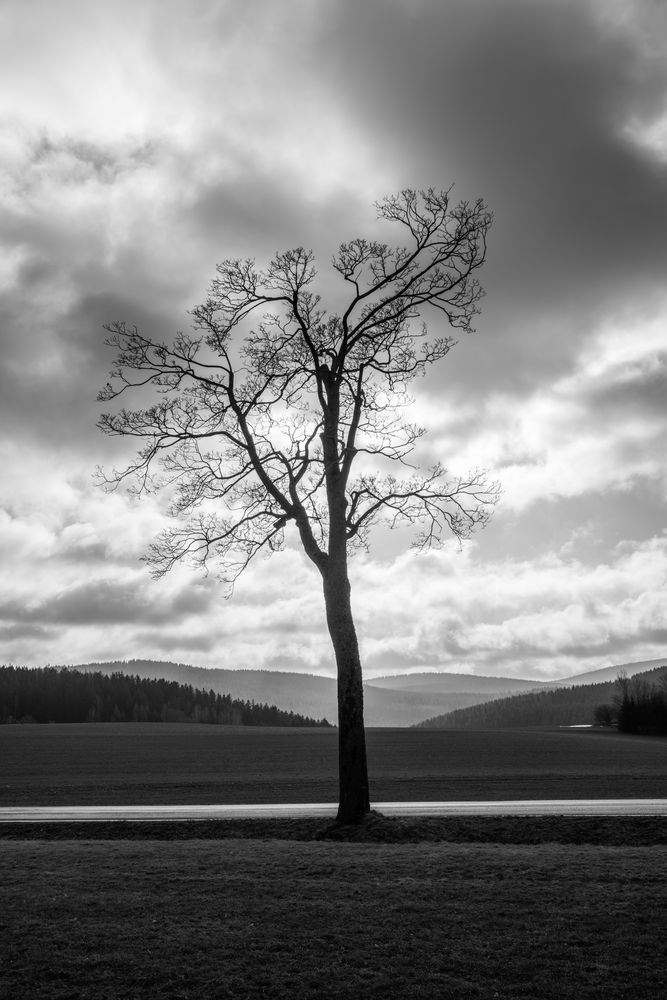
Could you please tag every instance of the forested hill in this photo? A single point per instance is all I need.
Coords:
(52, 694)
(567, 706)
(388, 701)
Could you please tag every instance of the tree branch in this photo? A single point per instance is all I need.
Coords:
(248, 433)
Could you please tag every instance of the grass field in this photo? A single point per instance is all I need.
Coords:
(258, 910)
(320, 920)
(143, 763)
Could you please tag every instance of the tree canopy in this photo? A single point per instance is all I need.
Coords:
(59, 694)
(256, 433)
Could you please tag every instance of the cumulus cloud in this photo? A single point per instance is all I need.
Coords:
(599, 427)
(543, 617)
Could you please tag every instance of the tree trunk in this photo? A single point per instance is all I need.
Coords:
(354, 796)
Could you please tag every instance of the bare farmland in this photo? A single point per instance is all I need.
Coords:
(144, 763)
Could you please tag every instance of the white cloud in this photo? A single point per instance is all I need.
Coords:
(600, 426)
(72, 588)
(226, 86)
(545, 617)
(650, 136)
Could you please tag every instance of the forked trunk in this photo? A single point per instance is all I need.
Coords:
(354, 796)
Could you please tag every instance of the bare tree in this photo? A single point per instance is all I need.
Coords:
(301, 420)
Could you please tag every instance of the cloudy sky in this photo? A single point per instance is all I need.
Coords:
(141, 142)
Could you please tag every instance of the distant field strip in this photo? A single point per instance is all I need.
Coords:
(143, 764)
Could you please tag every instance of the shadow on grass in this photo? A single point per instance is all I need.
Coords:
(376, 828)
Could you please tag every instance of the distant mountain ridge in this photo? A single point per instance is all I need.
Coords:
(397, 701)
(433, 682)
(610, 673)
(394, 701)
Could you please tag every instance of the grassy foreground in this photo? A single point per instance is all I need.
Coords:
(252, 918)
(620, 831)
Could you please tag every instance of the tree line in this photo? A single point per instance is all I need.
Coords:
(50, 694)
(575, 705)
(569, 706)
(639, 704)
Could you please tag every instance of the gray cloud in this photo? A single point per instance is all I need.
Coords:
(587, 527)
(525, 104)
(262, 210)
(168, 641)
(641, 393)
(268, 129)
(24, 632)
(103, 602)
(88, 552)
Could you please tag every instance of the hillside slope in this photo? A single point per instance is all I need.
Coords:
(62, 695)
(610, 673)
(397, 701)
(305, 694)
(450, 683)
(566, 706)
(404, 701)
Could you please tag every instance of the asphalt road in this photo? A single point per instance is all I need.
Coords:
(532, 807)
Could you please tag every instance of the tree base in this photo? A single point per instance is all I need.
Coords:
(371, 826)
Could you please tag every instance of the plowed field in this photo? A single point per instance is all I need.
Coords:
(143, 763)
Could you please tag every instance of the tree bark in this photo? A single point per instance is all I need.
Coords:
(354, 795)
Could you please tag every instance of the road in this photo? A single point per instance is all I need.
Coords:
(160, 813)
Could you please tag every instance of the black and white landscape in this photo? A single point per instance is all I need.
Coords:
(496, 169)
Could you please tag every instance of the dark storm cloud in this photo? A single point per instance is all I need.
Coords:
(278, 125)
(24, 631)
(168, 641)
(615, 643)
(586, 526)
(639, 393)
(74, 276)
(657, 636)
(80, 255)
(103, 602)
(530, 100)
(77, 161)
(89, 552)
(262, 211)
(50, 377)
(526, 104)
